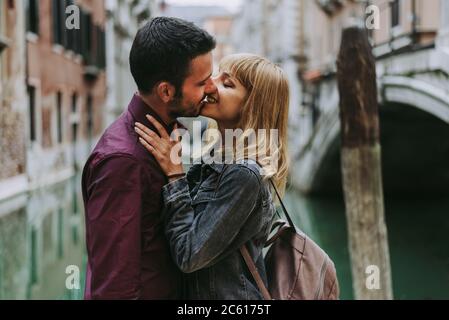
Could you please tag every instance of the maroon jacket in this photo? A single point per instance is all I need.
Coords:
(128, 254)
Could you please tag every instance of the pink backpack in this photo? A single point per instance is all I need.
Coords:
(297, 268)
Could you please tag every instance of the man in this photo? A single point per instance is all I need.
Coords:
(128, 256)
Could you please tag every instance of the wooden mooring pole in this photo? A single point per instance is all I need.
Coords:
(361, 167)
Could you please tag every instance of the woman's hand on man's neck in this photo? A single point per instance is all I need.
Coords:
(160, 109)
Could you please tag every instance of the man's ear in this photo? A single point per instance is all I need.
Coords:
(166, 91)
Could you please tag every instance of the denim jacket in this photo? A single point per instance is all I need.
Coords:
(209, 215)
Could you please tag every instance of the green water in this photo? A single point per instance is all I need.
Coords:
(43, 232)
(418, 236)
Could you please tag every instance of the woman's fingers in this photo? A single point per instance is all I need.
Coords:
(160, 148)
(147, 134)
(156, 153)
(152, 140)
(148, 146)
(177, 133)
(158, 127)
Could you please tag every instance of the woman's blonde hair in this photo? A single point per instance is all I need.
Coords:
(265, 107)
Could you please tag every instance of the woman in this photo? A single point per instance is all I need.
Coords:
(217, 208)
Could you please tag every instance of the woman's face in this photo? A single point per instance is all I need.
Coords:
(230, 97)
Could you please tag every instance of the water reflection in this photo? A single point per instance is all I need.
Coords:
(418, 234)
(40, 235)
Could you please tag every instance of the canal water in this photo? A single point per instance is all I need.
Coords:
(418, 236)
(41, 234)
(42, 238)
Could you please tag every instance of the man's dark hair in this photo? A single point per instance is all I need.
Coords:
(163, 49)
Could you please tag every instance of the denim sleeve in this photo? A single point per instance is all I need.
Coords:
(198, 239)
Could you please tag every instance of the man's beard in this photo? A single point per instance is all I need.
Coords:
(176, 109)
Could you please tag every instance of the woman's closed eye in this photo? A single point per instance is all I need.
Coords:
(228, 84)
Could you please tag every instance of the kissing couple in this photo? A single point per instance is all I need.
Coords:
(154, 231)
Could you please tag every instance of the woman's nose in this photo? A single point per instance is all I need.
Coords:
(211, 87)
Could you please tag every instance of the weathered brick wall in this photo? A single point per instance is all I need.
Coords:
(12, 103)
(12, 142)
(58, 70)
(50, 70)
(47, 141)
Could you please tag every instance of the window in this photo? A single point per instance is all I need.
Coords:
(58, 14)
(75, 36)
(89, 116)
(68, 38)
(74, 124)
(77, 41)
(3, 43)
(100, 48)
(70, 33)
(59, 116)
(90, 42)
(86, 37)
(329, 6)
(395, 13)
(32, 15)
(74, 102)
(74, 146)
(32, 112)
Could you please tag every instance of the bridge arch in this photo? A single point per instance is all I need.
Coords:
(414, 115)
(415, 93)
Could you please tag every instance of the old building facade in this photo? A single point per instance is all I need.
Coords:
(52, 96)
(66, 86)
(13, 114)
(13, 102)
(272, 28)
(410, 44)
(410, 48)
(215, 19)
(123, 20)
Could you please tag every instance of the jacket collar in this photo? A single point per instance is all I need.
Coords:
(217, 167)
(139, 109)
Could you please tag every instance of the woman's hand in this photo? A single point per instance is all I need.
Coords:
(166, 151)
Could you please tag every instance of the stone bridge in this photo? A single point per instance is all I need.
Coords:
(413, 90)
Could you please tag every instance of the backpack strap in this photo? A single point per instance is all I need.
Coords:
(249, 260)
(281, 225)
(290, 221)
(253, 269)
